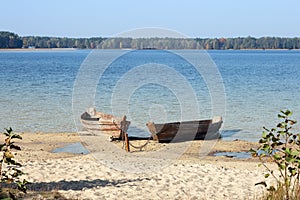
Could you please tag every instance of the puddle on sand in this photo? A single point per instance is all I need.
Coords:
(75, 148)
(240, 155)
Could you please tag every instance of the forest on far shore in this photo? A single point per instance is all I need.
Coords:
(12, 40)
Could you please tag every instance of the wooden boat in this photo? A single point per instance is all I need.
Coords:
(186, 130)
(101, 122)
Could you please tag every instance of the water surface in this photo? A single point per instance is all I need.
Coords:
(36, 89)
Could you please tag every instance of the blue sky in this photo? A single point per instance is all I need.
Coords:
(194, 18)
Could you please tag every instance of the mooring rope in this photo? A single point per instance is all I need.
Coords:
(123, 139)
(142, 146)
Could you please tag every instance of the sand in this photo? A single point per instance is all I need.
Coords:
(112, 173)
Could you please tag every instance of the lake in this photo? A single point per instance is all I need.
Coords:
(37, 88)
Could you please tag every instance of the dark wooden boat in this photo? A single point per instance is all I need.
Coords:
(186, 130)
(101, 122)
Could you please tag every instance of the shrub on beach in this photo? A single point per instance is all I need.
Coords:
(10, 171)
(282, 147)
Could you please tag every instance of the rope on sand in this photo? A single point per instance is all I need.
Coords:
(122, 135)
(142, 146)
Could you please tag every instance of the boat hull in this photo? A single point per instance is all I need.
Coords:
(186, 130)
(104, 123)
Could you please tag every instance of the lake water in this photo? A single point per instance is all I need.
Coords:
(37, 89)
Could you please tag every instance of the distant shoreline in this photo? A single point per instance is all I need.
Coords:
(12, 40)
(39, 49)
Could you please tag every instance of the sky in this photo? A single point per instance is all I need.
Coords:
(192, 18)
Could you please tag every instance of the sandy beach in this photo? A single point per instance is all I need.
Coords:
(190, 176)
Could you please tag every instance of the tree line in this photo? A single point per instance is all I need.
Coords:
(12, 40)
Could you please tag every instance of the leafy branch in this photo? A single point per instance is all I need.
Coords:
(282, 147)
(9, 168)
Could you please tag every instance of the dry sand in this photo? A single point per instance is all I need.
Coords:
(190, 176)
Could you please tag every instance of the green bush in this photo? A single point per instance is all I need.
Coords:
(280, 146)
(9, 168)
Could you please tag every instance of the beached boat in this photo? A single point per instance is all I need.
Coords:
(101, 122)
(186, 130)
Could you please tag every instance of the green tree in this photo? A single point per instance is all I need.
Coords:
(10, 40)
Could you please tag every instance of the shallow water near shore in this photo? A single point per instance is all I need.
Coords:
(36, 90)
(240, 155)
(76, 148)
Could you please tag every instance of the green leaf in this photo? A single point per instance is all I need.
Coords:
(277, 157)
(6, 134)
(22, 185)
(294, 172)
(281, 132)
(252, 151)
(289, 159)
(281, 125)
(12, 162)
(282, 166)
(264, 134)
(262, 155)
(266, 146)
(273, 145)
(16, 136)
(288, 151)
(279, 143)
(274, 139)
(267, 175)
(280, 116)
(9, 130)
(262, 141)
(295, 153)
(288, 113)
(15, 147)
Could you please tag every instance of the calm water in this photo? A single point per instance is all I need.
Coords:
(37, 86)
